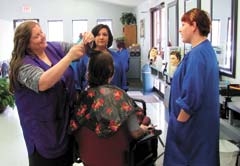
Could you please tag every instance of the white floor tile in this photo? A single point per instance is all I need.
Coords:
(13, 150)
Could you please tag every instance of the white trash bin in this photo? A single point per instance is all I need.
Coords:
(228, 153)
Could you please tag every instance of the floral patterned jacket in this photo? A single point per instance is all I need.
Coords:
(102, 109)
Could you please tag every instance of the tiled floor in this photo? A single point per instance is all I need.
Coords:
(13, 150)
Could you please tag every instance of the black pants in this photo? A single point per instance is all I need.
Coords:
(37, 160)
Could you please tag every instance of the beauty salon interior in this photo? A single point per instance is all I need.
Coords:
(156, 25)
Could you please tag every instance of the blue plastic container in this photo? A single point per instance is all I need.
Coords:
(147, 79)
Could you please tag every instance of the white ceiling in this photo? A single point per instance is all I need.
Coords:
(130, 3)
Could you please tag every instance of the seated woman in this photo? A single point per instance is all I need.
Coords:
(104, 118)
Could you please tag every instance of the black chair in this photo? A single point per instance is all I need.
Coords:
(144, 152)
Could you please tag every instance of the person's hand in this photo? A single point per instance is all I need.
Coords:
(146, 121)
(87, 38)
(76, 51)
(152, 127)
(144, 128)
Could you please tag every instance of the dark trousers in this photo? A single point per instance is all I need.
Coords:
(37, 160)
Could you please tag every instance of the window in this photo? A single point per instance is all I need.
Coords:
(163, 26)
(55, 30)
(158, 26)
(78, 26)
(106, 22)
(216, 32)
(19, 21)
(228, 47)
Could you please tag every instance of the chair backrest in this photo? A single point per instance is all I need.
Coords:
(96, 151)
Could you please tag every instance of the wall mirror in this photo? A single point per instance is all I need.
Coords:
(189, 4)
(172, 35)
(172, 23)
(224, 33)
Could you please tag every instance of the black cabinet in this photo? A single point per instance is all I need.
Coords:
(134, 67)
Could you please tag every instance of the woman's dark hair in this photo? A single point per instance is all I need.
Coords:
(201, 18)
(100, 68)
(21, 41)
(97, 28)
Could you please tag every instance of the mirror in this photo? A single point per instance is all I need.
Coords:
(224, 32)
(189, 4)
(172, 26)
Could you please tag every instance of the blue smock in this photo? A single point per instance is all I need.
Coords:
(195, 89)
(124, 56)
(80, 70)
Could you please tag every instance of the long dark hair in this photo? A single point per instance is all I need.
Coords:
(100, 68)
(21, 40)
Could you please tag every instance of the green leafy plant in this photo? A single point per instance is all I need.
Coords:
(6, 97)
(128, 18)
(119, 39)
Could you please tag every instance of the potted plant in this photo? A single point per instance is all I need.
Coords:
(6, 96)
(128, 18)
(120, 39)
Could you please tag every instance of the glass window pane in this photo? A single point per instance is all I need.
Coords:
(163, 36)
(106, 22)
(156, 29)
(216, 32)
(79, 26)
(19, 21)
(55, 30)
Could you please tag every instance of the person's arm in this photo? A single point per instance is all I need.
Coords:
(135, 130)
(53, 75)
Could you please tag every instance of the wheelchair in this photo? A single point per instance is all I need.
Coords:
(118, 150)
(144, 151)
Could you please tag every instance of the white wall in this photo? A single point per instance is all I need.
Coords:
(66, 10)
